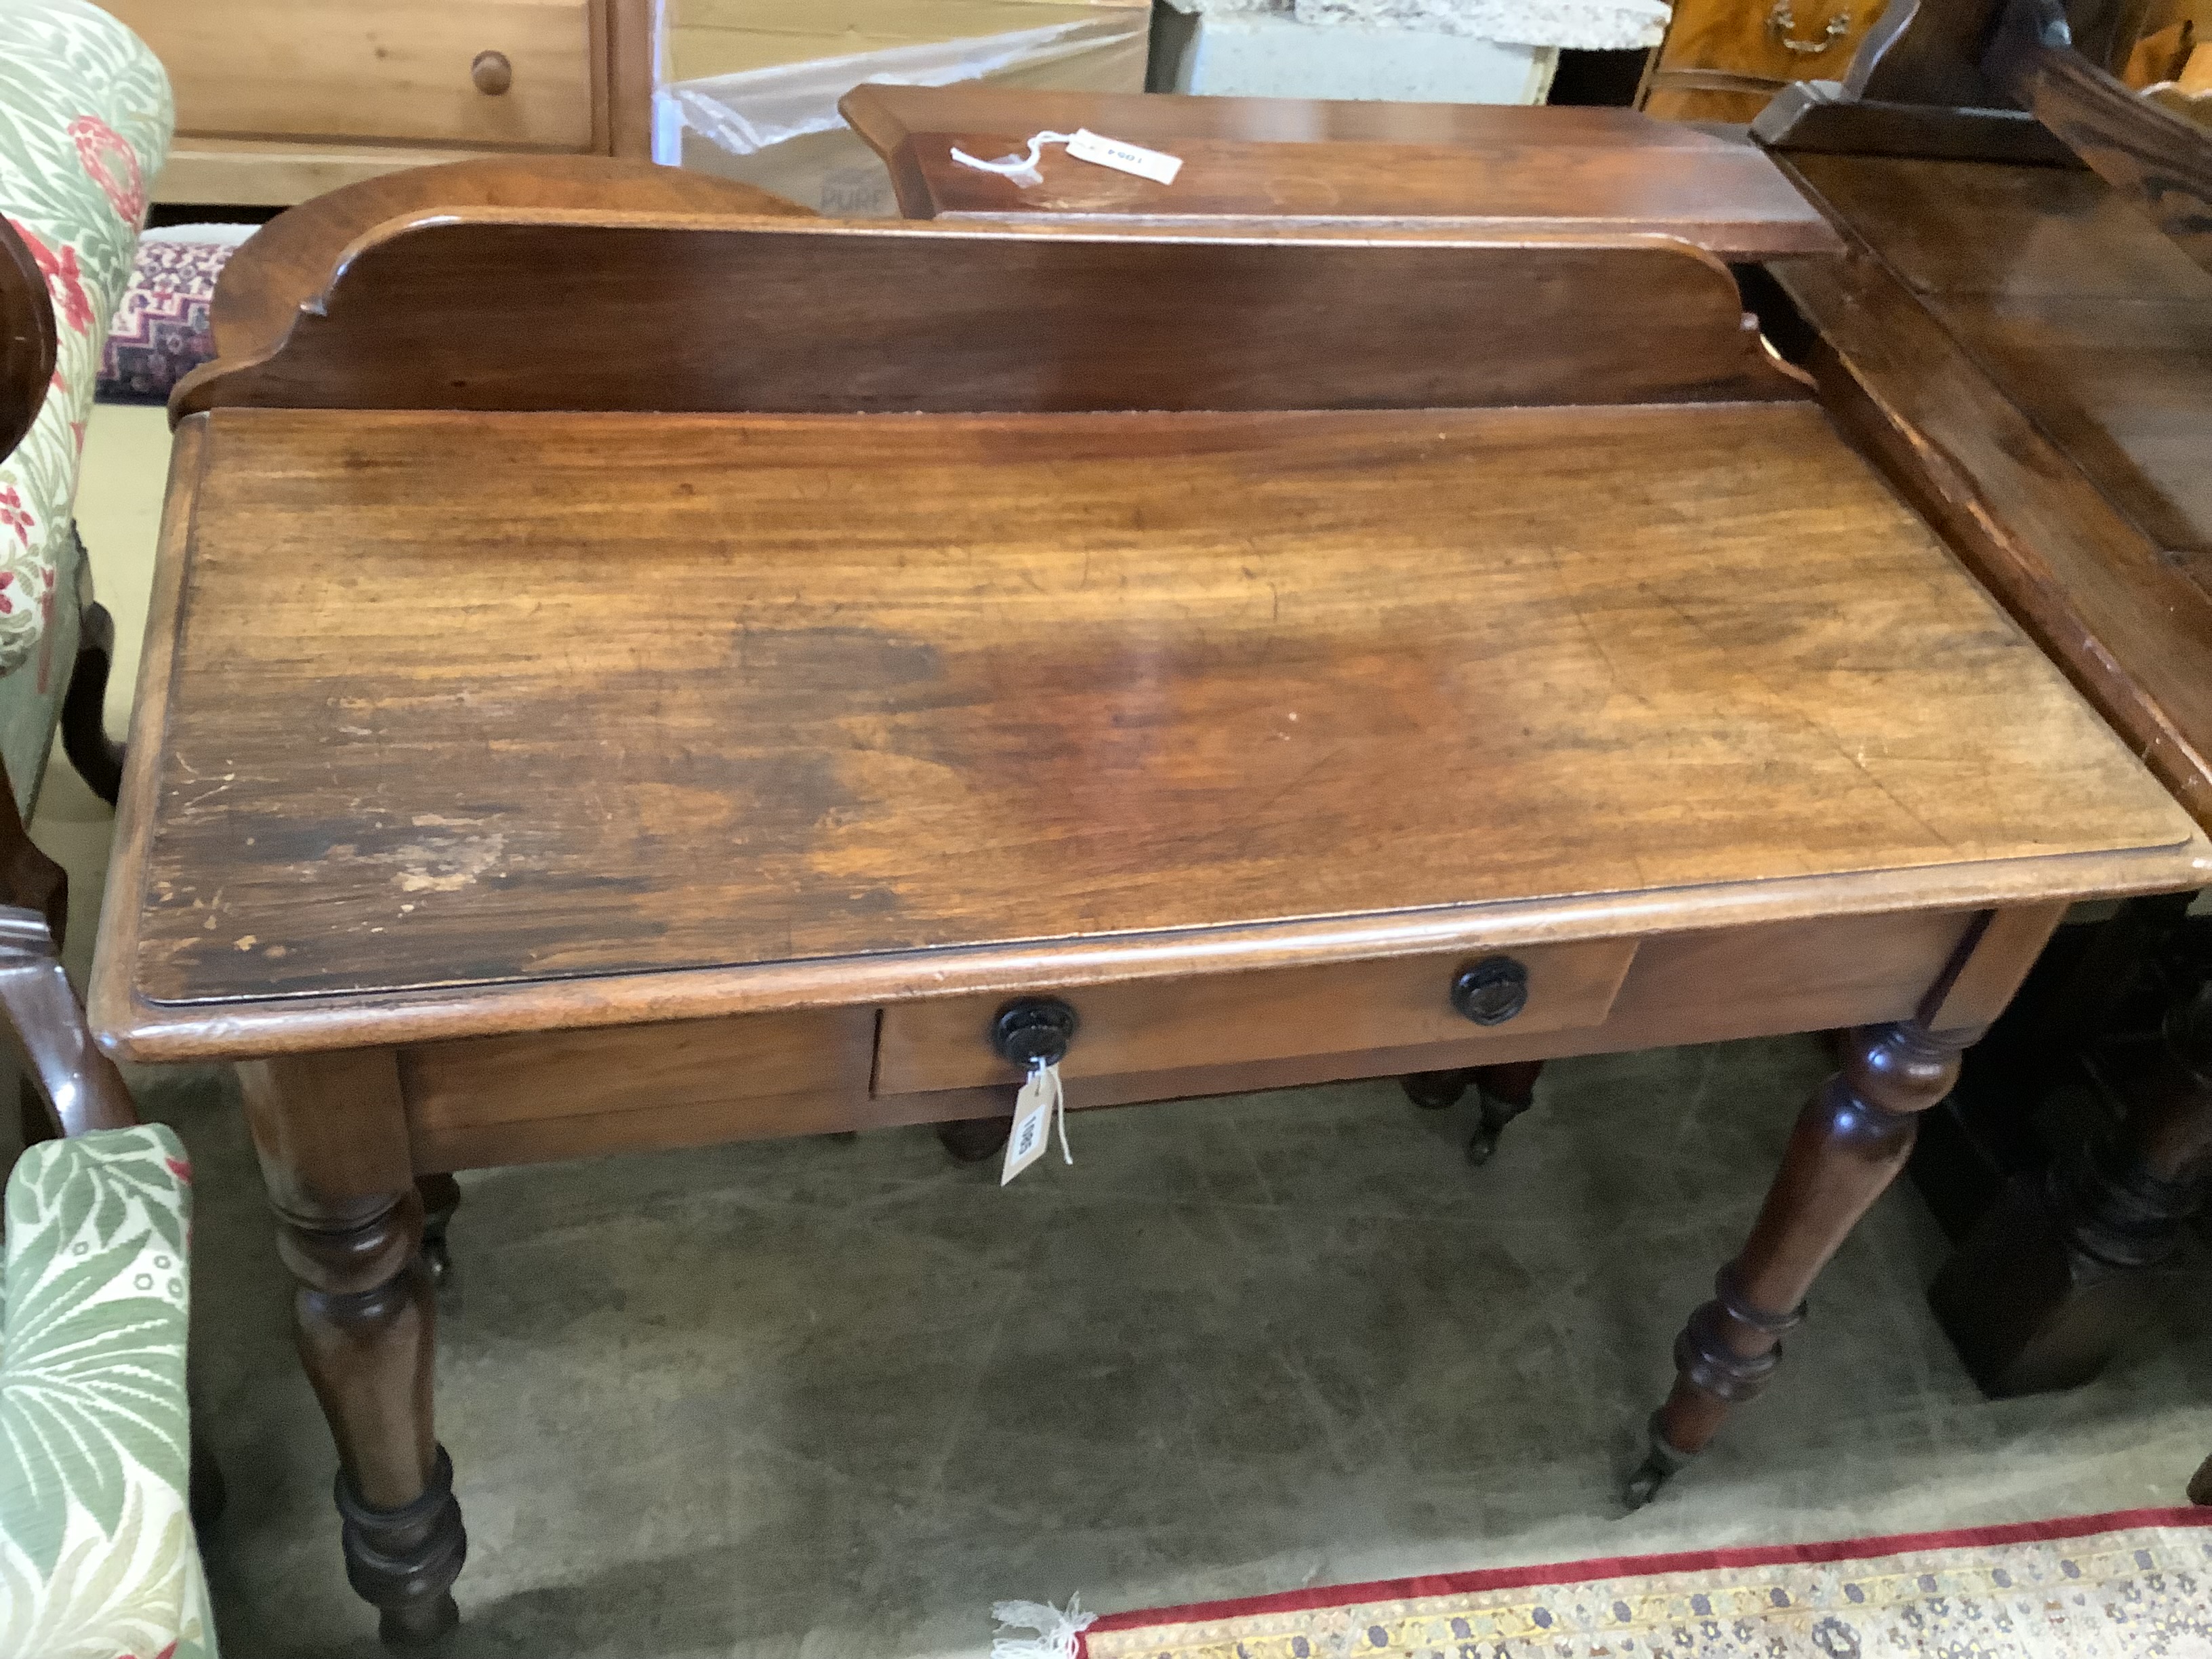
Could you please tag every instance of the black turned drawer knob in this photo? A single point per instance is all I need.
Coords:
(492, 73)
(1033, 1031)
(1492, 991)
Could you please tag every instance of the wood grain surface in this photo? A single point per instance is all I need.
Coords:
(288, 262)
(1694, 986)
(1959, 228)
(744, 692)
(1507, 171)
(2072, 303)
(1723, 60)
(2032, 357)
(700, 312)
(762, 1064)
(2160, 160)
(1227, 1018)
(391, 70)
(882, 113)
(521, 1099)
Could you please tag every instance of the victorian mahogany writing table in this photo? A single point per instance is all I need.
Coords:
(623, 679)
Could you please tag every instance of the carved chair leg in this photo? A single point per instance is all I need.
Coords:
(1848, 1143)
(210, 1493)
(441, 1196)
(98, 760)
(1506, 1092)
(28, 879)
(2041, 1294)
(973, 1140)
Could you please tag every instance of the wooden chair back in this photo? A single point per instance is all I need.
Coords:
(27, 339)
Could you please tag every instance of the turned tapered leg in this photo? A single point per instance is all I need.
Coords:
(1850, 1142)
(441, 1196)
(367, 1319)
(28, 879)
(1434, 1090)
(1505, 1091)
(972, 1139)
(332, 1141)
(207, 1494)
(2043, 1291)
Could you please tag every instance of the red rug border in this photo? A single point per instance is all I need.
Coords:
(1638, 1566)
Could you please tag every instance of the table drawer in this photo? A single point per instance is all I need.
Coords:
(392, 71)
(1158, 1025)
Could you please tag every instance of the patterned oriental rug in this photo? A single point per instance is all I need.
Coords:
(2137, 1584)
(160, 333)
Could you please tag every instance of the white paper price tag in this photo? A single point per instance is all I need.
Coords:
(1088, 146)
(1034, 1109)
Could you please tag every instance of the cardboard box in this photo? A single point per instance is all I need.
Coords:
(767, 114)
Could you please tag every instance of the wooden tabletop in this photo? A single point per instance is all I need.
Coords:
(1287, 161)
(2038, 358)
(499, 702)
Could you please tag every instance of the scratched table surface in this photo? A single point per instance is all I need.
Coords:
(663, 692)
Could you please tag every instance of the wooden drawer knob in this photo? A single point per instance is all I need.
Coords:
(1036, 1030)
(1492, 991)
(492, 73)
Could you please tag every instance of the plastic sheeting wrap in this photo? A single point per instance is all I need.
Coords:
(779, 127)
(1594, 25)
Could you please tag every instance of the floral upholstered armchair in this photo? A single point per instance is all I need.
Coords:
(97, 1557)
(97, 1554)
(85, 118)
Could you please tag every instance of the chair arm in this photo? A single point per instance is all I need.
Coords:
(46, 1029)
(27, 339)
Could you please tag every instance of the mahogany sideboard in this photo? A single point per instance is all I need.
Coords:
(629, 677)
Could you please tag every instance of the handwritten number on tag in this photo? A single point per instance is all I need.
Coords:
(1124, 157)
(1040, 1102)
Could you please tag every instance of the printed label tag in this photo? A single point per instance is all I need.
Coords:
(1032, 1121)
(1088, 146)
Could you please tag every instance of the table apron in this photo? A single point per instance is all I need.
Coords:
(494, 1101)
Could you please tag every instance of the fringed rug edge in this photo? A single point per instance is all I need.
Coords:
(1638, 1566)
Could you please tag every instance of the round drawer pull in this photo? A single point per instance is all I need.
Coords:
(1492, 991)
(492, 73)
(1033, 1031)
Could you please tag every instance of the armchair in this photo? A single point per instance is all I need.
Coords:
(85, 117)
(97, 1557)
